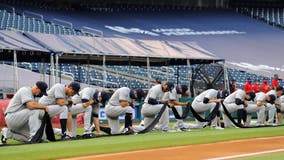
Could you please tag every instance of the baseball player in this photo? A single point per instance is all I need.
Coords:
(173, 97)
(271, 107)
(57, 102)
(279, 110)
(153, 104)
(121, 102)
(203, 102)
(22, 114)
(99, 98)
(260, 101)
(233, 102)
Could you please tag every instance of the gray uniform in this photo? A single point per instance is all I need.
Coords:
(77, 108)
(201, 107)
(54, 93)
(260, 110)
(149, 111)
(271, 108)
(114, 110)
(22, 122)
(281, 99)
(174, 96)
(230, 103)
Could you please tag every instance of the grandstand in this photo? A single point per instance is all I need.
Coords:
(200, 32)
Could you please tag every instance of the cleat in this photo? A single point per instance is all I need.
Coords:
(127, 131)
(4, 135)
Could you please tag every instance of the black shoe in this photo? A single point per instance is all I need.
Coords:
(127, 131)
(89, 135)
(66, 137)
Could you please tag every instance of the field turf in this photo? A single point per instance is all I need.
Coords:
(63, 149)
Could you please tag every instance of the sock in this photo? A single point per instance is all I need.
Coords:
(239, 114)
(128, 120)
(63, 123)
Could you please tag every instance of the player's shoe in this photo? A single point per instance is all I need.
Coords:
(170, 131)
(92, 128)
(142, 123)
(88, 135)
(4, 135)
(205, 124)
(127, 131)
(217, 128)
(66, 136)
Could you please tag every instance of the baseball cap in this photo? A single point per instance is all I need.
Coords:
(272, 98)
(140, 93)
(75, 86)
(42, 86)
(170, 86)
(252, 95)
(279, 88)
(184, 88)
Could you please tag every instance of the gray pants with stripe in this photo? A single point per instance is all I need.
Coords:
(150, 111)
(77, 109)
(201, 108)
(113, 113)
(23, 125)
(260, 110)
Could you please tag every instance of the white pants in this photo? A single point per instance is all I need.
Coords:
(200, 108)
(260, 110)
(179, 122)
(113, 113)
(24, 124)
(271, 113)
(231, 107)
(150, 111)
(77, 109)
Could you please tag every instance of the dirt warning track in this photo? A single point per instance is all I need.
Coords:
(214, 151)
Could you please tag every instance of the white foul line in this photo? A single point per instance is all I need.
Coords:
(247, 154)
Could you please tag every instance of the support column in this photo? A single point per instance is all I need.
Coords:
(104, 71)
(16, 76)
(149, 72)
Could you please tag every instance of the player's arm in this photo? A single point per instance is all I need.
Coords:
(177, 103)
(123, 103)
(35, 105)
(61, 101)
(86, 102)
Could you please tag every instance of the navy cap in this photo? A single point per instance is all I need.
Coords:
(140, 93)
(42, 86)
(75, 86)
(170, 86)
(252, 95)
(272, 98)
(184, 88)
(279, 88)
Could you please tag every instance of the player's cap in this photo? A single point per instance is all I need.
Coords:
(140, 93)
(184, 88)
(75, 86)
(170, 86)
(158, 81)
(105, 97)
(225, 93)
(272, 98)
(251, 94)
(279, 88)
(42, 86)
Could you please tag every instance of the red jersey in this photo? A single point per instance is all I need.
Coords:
(255, 88)
(265, 87)
(275, 83)
(248, 87)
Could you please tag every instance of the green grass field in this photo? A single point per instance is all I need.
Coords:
(54, 150)
(273, 156)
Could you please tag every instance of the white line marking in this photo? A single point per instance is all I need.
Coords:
(247, 154)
